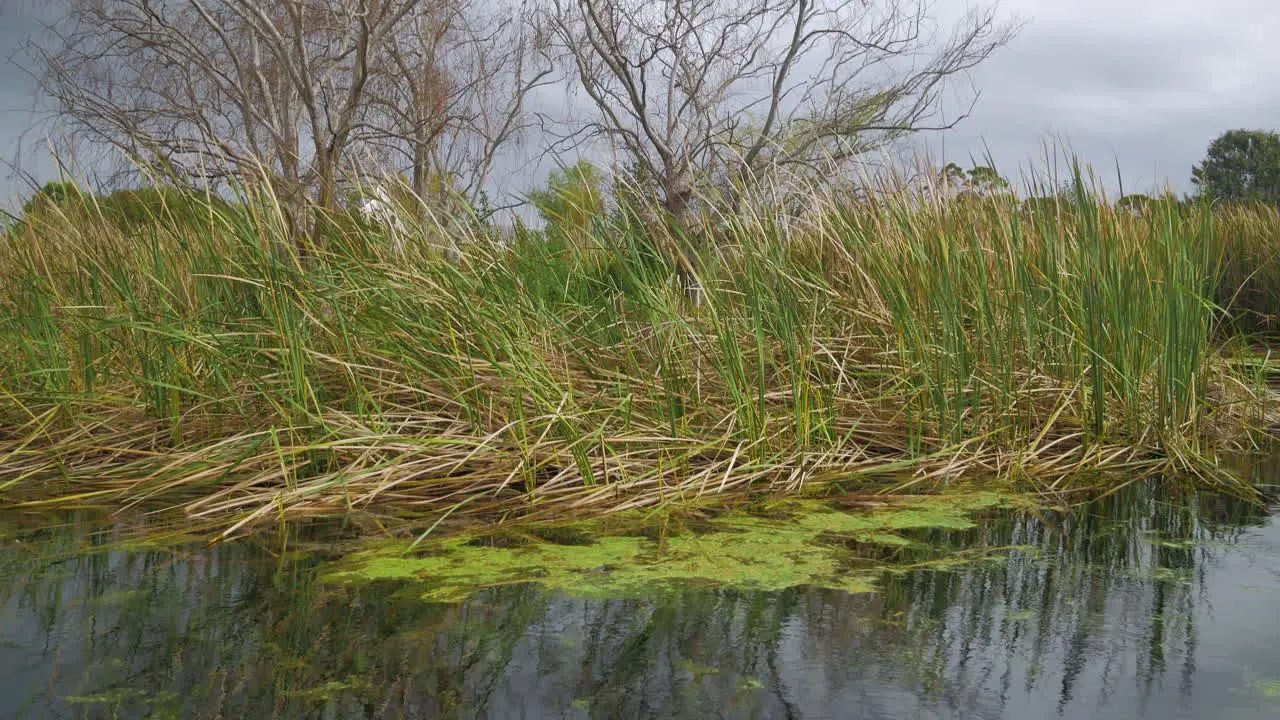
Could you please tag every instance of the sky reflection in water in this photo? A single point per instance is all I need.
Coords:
(1147, 604)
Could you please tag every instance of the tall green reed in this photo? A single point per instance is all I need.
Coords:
(862, 334)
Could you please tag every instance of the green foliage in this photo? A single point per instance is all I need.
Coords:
(51, 196)
(1136, 202)
(573, 198)
(1142, 204)
(952, 175)
(129, 209)
(140, 207)
(1042, 206)
(980, 181)
(986, 180)
(1241, 166)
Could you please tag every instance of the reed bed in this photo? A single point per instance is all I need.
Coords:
(1249, 287)
(207, 367)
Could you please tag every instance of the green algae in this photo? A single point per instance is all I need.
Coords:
(156, 542)
(695, 669)
(1269, 688)
(1263, 686)
(109, 697)
(329, 690)
(750, 683)
(799, 543)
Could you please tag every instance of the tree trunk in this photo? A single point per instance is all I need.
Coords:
(327, 185)
(678, 204)
(326, 199)
(421, 179)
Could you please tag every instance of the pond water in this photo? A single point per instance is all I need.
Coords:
(1150, 603)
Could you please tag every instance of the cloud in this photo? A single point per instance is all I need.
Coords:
(19, 21)
(1148, 83)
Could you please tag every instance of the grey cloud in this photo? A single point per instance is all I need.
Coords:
(1110, 58)
(1146, 82)
(21, 148)
(1151, 98)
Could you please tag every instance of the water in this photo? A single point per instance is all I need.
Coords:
(1148, 604)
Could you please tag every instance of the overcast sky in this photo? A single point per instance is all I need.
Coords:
(1145, 83)
(17, 22)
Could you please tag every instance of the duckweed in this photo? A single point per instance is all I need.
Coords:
(803, 542)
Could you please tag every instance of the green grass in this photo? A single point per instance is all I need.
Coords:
(202, 365)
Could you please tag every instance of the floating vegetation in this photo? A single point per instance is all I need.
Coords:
(1270, 688)
(799, 542)
(1266, 687)
(1084, 617)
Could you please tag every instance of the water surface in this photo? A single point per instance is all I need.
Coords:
(1150, 603)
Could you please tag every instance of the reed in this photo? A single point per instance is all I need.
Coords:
(200, 364)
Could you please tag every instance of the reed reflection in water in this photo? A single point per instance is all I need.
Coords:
(1149, 603)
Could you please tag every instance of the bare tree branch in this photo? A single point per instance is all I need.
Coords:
(301, 90)
(706, 92)
(452, 91)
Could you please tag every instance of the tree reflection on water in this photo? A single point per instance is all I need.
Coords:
(1100, 612)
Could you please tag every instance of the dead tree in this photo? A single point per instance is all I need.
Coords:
(220, 88)
(704, 93)
(451, 92)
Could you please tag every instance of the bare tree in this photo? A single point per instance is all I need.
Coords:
(303, 91)
(451, 91)
(220, 87)
(731, 91)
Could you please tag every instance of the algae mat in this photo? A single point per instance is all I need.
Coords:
(798, 542)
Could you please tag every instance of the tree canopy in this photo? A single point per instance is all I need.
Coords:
(1240, 166)
(978, 182)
